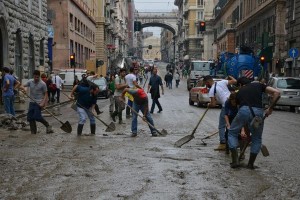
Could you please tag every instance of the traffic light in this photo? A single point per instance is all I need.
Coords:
(150, 47)
(202, 26)
(137, 26)
(262, 60)
(72, 60)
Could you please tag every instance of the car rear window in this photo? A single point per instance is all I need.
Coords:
(289, 83)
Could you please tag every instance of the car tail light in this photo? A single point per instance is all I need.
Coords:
(204, 90)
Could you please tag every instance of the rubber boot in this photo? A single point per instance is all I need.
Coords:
(235, 160)
(33, 128)
(93, 129)
(79, 129)
(251, 161)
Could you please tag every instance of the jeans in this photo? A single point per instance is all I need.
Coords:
(137, 108)
(170, 84)
(9, 104)
(222, 125)
(155, 101)
(244, 117)
(57, 95)
(82, 112)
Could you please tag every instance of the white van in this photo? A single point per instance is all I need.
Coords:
(67, 75)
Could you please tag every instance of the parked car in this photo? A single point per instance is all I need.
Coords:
(199, 94)
(102, 83)
(289, 88)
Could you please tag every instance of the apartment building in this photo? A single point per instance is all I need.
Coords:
(258, 24)
(190, 39)
(23, 36)
(292, 66)
(167, 45)
(74, 27)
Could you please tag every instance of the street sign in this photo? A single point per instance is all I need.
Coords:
(293, 52)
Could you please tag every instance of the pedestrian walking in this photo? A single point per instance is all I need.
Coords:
(166, 80)
(177, 78)
(219, 92)
(111, 89)
(140, 103)
(170, 79)
(8, 95)
(153, 87)
(39, 98)
(120, 84)
(86, 101)
(51, 89)
(59, 86)
(250, 114)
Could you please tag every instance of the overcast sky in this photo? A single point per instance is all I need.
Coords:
(154, 6)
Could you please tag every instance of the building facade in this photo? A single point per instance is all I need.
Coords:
(167, 44)
(74, 28)
(292, 66)
(154, 53)
(257, 24)
(23, 36)
(190, 39)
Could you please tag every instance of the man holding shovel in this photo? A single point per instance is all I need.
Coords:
(140, 103)
(39, 98)
(249, 99)
(219, 92)
(120, 83)
(86, 101)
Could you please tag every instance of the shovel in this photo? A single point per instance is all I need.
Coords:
(64, 126)
(204, 143)
(162, 133)
(110, 128)
(188, 138)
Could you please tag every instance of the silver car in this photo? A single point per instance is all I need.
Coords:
(289, 88)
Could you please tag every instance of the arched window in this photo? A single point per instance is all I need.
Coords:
(42, 59)
(31, 64)
(18, 55)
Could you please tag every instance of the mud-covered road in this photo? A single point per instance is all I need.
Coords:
(64, 166)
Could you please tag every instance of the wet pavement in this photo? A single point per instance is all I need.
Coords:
(116, 166)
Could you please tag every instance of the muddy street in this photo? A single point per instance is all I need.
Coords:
(117, 166)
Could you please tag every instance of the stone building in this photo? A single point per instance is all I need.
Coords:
(74, 25)
(23, 36)
(154, 53)
(166, 41)
(292, 37)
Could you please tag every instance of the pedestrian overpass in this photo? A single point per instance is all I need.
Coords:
(165, 20)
